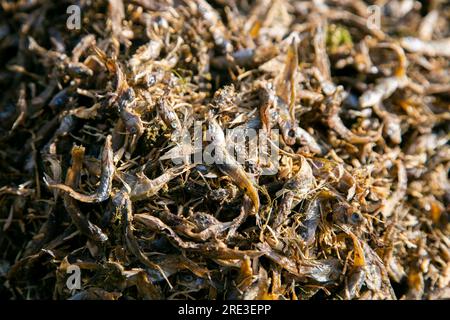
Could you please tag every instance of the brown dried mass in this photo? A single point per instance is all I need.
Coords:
(98, 145)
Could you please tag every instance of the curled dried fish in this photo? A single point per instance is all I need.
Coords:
(86, 227)
(104, 188)
(294, 190)
(229, 166)
(433, 48)
(214, 249)
(141, 187)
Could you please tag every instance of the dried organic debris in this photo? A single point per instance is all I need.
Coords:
(106, 132)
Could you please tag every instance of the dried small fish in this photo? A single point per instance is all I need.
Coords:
(142, 187)
(214, 249)
(310, 222)
(319, 270)
(367, 269)
(145, 53)
(104, 188)
(388, 206)
(86, 227)
(295, 190)
(385, 87)
(333, 104)
(125, 96)
(60, 60)
(247, 57)
(214, 22)
(122, 204)
(168, 115)
(229, 166)
(304, 138)
(22, 106)
(251, 149)
(286, 123)
(267, 98)
(432, 48)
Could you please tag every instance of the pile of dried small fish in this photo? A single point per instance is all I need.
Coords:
(116, 162)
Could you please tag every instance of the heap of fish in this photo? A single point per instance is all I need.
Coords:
(115, 150)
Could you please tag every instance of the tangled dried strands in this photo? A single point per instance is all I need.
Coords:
(356, 208)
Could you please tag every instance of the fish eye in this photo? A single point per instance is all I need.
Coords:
(291, 133)
(356, 217)
(188, 277)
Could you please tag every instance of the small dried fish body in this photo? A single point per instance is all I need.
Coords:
(228, 165)
(123, 206)
(310, 222)
(367, 269)
(322, 71)
(389, 204)
(169, 116)
(383, 89)
(216, 26)
(285, 122)
(144, 54)
(355, 281)
(285, 94)
(345, 213)
(234, 170)
(22, 104)
(322, 271)
(60, 60)
(125, 95)
(203, 220)
(215, 249)
(284, 82)
(432, 48)
(267, 100)
(141, 187)
(333, 106)
(131, 119)
(259, 290)
(192, 283)
(294, 190)
(304, 138)
(199, 226)
(86, 227)
(104, 189)
(247, 58)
